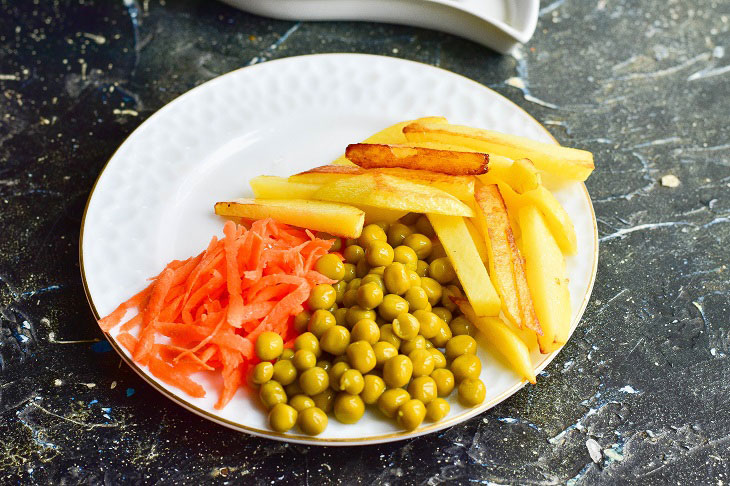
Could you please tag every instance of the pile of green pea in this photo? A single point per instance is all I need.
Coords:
(375, 337)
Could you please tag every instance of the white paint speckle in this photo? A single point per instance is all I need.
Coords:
(670, 180)
(629, 389)
(594, 449)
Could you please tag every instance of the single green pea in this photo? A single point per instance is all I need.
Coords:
(391, 306)
(362, 268)
(441, 270)
(350, 298)
(411, 414)
(293, 389)
(417, 298)
(387, 335)
(336, 372)
(422, 360)
(352, 382)
(323, 296)
(320, 321)
(391, 400)
(466, 366)
(373, 278)
(333, 308)
(458, 345)
(439, 360)
(366, 330)
(407, 256)
(379, 253)
(373, 387)
(301, 321)
(444, 313)
(304, 359)
(356, 313)
(446, 298)
(262, 372)
(330, 266)
(340, 289)
(282, 417)
(437, 410)
(433, 290)
(349, 408)
(271, 393)
(312, 421)
(420, 243)
(314, 381)
(353, 254)
(414, 279)
(423, 226)
(309, 342)
(361, 356)
(397, 232)
(418, 342)
(422, 268)
(423, 388)
(377, 271)
(301, 402)
(405, 326)
(325, 401)
(397, 371)
(383, 352)
(354, 284)
(429, 323)
(460, 326)
(350, 273)
(284, 372)
(472, 392)
(324, 364)
(442, 336)
(340, 316)
(269, 346)
(335, 340)
(384, 225)
(369, 296)
(396, 278)
(370, 234)
(444, 380)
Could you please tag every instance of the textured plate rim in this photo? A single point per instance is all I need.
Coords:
(391, 437)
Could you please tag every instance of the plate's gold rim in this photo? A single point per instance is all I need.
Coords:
(319, 440)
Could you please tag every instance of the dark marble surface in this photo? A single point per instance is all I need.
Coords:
(640, 394)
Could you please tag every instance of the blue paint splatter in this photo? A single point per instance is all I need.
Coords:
(106, 409)
(130, 392)
(93, 402)
(102, 346)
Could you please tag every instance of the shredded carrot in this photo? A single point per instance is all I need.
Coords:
(205, 313)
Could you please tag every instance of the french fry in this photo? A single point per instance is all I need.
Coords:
(463, 254)
(376, 215)
(392, 134)
(385, 191)
(566, 163)
(337, 219)
(461, 187)
(504, 339)
(374, 156)
(506, 266)
(556, 218)
(477, 238)
(522, 175)
(272, 187)
(547, 279)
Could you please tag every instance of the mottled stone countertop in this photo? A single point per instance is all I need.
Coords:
(641, 393)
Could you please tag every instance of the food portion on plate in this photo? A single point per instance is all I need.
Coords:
(365, 282)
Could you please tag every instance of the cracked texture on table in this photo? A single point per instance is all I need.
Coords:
(639, 394)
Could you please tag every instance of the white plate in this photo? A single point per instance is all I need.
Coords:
(499, 24)
(153, 202)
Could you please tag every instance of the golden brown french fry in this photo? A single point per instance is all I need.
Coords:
(337, 219)
(374, 156)
(391, 134)
(547, 279)
(272, 187)
(385, 191)
(504, 339)
(567, 163)
(463, 254)
(506, 266)
(461, 187)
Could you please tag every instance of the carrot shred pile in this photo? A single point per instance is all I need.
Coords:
(205, 313)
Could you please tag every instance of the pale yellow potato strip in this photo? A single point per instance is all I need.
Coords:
(564, 162)
(546, 277)
(337, 219)
(272, 187)
(463, 254)
(505, 341)
(557, 219)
